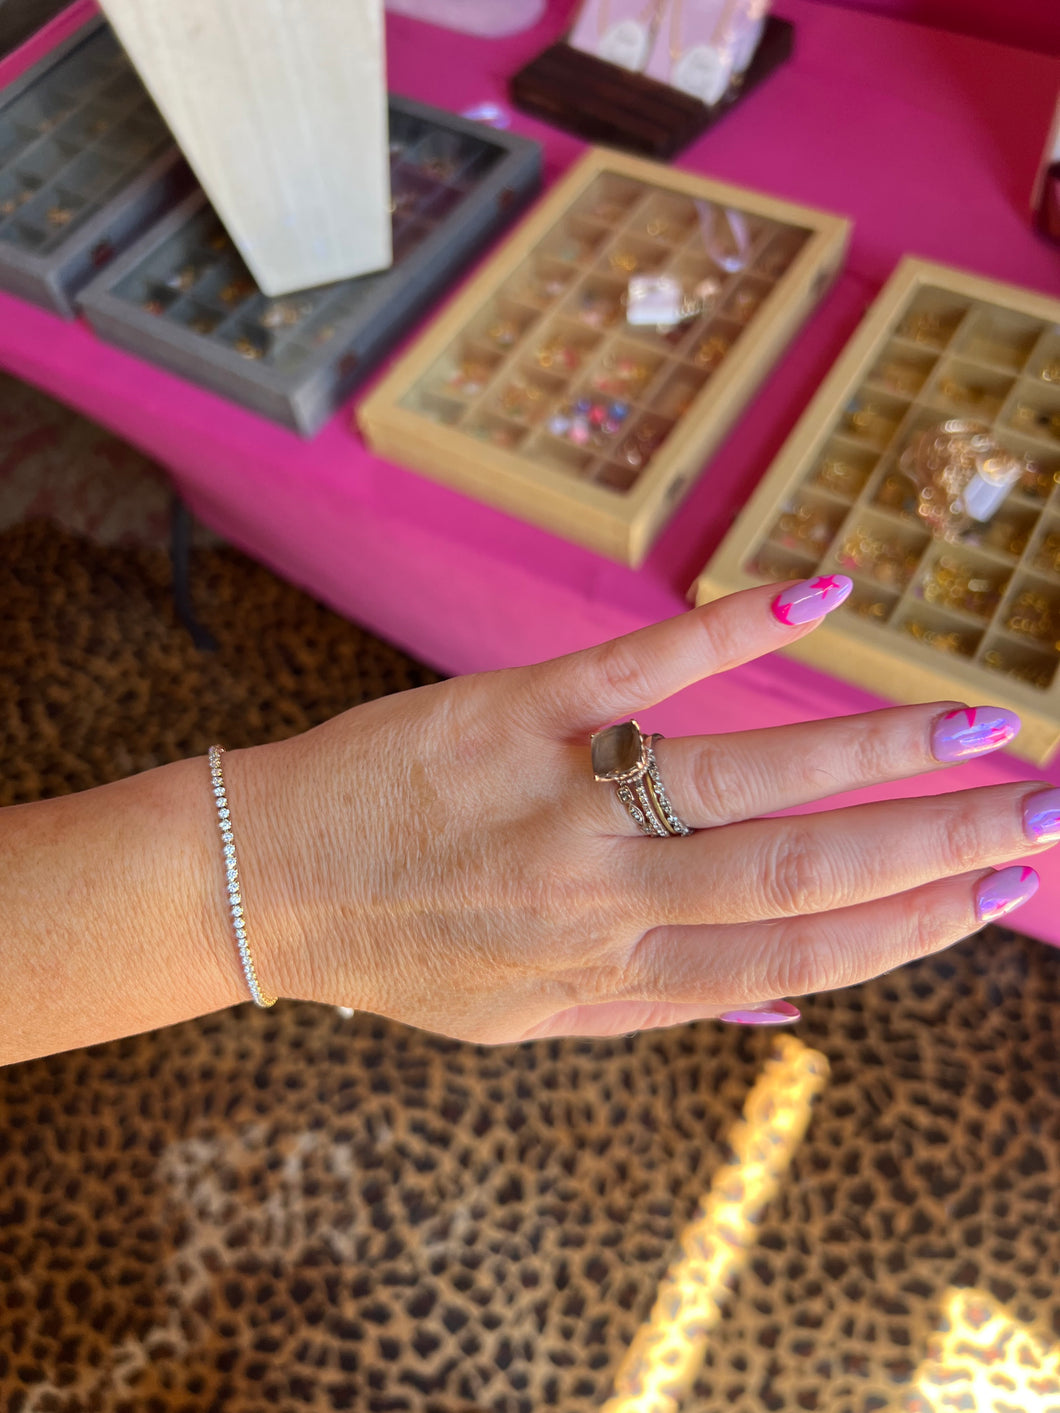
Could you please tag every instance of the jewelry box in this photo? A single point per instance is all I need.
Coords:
(183, 298)
(86, 163)
(535, 394)
(976, 619)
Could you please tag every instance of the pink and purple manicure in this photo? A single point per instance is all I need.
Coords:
(972, 731)
(773, 1013)
(1003, 891)
(1041, 816)
(811, 599)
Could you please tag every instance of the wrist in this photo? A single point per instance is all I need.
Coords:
(263, 824)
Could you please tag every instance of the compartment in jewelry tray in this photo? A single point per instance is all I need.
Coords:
(1033, 411)
(294, 359)
(976, 619)
(963, 389)
(76, 184)
(997, 338)
(591, 426)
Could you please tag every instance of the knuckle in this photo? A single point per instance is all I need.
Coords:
(723, 637)
(872, 751)
(798, 877)
(926, 922)
(965, 841)
(622, 672)
(805, 958)
(717, 780)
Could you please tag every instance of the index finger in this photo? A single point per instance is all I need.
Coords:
(587, 689)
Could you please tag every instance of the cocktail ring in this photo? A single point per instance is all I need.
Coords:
(622, 755)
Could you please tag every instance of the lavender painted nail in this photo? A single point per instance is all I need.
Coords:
(1003, 891)
(775, 1013)
(1041, 816)
(972, 731)
(811, 599)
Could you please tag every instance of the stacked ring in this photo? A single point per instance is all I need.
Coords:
(623, 756)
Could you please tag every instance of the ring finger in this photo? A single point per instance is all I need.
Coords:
(713, 780)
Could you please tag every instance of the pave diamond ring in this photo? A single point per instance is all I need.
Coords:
(623, 756)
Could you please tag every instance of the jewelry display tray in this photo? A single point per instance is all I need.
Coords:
(86, 163)
(978, 621)
(182, 297)
(542, 328)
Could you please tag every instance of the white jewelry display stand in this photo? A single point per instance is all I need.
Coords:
(280, 108)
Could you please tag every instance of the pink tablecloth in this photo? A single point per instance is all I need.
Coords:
(929, 140)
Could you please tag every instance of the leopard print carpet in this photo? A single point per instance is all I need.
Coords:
(295, 1211)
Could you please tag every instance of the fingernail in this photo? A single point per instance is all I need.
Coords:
(772, 1013)
(1041, 816)
(1003, 891)
(811, 599)
(972, 731)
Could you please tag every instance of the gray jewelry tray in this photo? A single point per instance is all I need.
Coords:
(86, 163)
(181, 297)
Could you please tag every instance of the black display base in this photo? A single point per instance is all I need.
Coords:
(606, 104)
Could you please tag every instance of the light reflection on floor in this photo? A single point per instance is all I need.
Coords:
(980, 1359)
(668, 1350)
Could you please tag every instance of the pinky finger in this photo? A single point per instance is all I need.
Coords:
(734, 967)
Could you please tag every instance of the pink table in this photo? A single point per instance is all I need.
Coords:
(928, 139)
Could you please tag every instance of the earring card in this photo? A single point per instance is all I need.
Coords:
(977, 620)
(183, 297)
(604, 102)
(535, 394)
(86, 163)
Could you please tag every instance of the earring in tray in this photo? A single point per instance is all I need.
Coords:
(182, 280)
(283, 315)
(558, 355)
(710, 353)
(470, 378)
(662, 302)
(961, 475)
(504, 333)
(235, 291)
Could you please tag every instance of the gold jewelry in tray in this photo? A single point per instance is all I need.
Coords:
(535, 392)
(946, 371)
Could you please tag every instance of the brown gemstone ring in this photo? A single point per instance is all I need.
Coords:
(623, 756)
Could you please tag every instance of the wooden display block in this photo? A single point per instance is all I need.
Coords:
(977, 621)
(281, 112)
(534, 394)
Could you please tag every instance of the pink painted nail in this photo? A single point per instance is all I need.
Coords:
(1003, 891)
(1041, 816)
(771, 1013)
(811, 599)
(972, 731)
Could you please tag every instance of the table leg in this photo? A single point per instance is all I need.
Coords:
(180, 559)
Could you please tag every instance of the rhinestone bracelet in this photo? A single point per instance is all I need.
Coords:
(235, 895)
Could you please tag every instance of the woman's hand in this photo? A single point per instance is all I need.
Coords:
(445, 857)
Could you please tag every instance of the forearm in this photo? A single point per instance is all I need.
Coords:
(113, 917)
